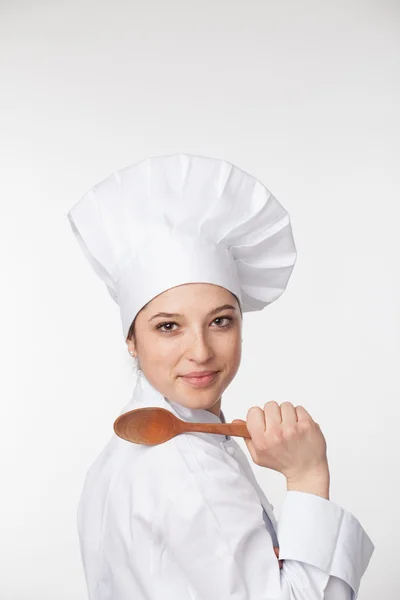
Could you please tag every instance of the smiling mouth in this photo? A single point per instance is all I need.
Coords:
(199, 373)
(201, 381)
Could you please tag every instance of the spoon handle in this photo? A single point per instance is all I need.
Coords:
(235, 429)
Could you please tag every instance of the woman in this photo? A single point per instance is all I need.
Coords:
(185, 245)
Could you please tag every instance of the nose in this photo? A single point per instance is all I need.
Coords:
(199, 348)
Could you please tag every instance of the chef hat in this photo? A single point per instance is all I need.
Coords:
(169, 220)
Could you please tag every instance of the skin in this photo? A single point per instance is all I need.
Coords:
(168, 347)
(287, 439)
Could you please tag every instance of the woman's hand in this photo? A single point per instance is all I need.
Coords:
(286, 439)
(276, 550)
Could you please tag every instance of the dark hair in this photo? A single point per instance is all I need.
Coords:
(131, 332)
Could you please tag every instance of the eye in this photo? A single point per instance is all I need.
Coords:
(163, 325)
(229, 319)
(168, 329)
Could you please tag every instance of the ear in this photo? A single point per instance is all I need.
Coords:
(131, 346)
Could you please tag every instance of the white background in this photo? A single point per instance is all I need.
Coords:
(303, 95)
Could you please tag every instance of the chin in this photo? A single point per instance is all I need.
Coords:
(198, 397)
(202, 398)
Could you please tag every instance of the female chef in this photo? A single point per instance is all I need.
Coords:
(185, 245)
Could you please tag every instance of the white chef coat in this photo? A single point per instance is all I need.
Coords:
(187, 520)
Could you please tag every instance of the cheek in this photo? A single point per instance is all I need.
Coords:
(229, 348)
(167, 351)
(159, 351)
(236, 355)
(157, 362)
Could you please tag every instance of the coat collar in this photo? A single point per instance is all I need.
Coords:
(197, 415)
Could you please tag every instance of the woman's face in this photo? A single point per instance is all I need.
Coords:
(195, 336)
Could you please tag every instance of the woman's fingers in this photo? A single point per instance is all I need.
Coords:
(288, 412)
(303, 414)
(256, 421)
(272, 412)
(285, 438)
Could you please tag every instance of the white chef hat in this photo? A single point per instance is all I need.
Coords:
(182, 218)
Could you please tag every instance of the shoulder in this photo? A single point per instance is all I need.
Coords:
(144, 480)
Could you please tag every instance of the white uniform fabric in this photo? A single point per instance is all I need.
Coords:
(187, 520)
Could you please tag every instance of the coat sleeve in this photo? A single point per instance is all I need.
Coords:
(216, 536)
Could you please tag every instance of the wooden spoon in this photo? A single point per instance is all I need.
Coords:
(152, 425)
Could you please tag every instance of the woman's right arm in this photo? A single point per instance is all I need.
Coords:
(215, 535)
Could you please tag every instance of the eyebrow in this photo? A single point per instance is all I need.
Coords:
(212, 312)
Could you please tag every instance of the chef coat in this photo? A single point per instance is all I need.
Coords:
(187, 520)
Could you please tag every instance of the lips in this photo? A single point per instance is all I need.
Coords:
(201, 379)
(199, 374)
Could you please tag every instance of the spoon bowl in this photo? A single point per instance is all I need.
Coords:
(153, 425)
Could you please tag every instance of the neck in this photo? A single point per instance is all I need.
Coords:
(216, 408)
